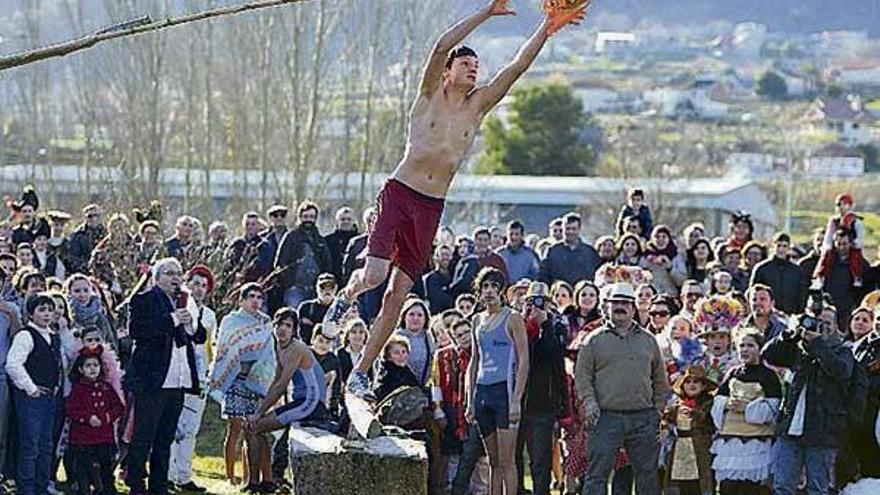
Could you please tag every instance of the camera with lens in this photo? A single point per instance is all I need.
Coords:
(538, 301)
(808, 323)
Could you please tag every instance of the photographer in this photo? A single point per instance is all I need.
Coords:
(813, 417)
(545, 397)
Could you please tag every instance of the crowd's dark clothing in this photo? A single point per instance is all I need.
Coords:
(80, 246)
(154, 334)
(311, 313)
(536, 433)
(546, 391)
(302, 256)
(824, 366)
(777, 324)
(273, 238)
(25, 233)
(253, 256)
(176, 247)
(354, 257)
(569, 264)
(466, 271)
(787, 281)
(330, 363)
(392, 377)
(861, 438)
(156, 414)
(437, 293)
(84, 458)
(839, 285)
(646, 221)
(337, 242)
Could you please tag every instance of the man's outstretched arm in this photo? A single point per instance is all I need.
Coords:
(502, 82)
(433, 73)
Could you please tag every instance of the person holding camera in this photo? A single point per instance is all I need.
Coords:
(546, 394)
(621, 378)
(813, 417)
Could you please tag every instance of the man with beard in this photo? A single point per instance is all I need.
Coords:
(84, 239)
(621, 378)
(764, 316)
(301, 257)
(337, 240)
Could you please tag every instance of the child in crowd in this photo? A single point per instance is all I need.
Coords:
(683, 347)
(743, 411)
(86, 308)
(718, 356)
(690, 421)
(91, 341)
(722, 283)
(92, 408)
(845, 219)
(34, 364)
(330, 364)
(636, 207)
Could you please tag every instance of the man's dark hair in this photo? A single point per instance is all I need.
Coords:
(781, 237)
(36, 301)
(287, 313)
(482, 230)
(248, 288)
(516, 225)
(758, 288)
(458, 52)
(8, 256)
(572, 218)
(25, 277)
(491, 274)
(307, 205)
(636, 192)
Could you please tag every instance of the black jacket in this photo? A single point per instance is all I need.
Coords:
(154, 334)
(392, 377)
(787, 281)
(546, 392)
(291, 250)
(436, 291)
(352, 260)
(825, 367)
(337, 241)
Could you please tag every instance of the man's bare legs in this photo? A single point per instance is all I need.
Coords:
(398, 287)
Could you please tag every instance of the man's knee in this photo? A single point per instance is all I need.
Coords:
(375, 275)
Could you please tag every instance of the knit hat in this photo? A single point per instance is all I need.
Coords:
(202, 271)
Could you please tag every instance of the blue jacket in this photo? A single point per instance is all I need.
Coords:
(153, 332)
(521, 263)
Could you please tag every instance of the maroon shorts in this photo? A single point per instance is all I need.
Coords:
(405, 226)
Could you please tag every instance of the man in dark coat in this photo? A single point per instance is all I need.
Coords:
(338, 240)
(84, 239)
(783, 276)
(162, 369)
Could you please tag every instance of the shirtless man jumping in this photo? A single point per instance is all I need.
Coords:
(443, 123)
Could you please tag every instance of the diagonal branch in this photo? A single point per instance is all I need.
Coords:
(138, 26)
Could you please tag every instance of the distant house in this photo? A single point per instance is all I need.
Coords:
(598, 97)
(796, 83)
(703, 98)
(845, 116)
(615, 43)
(835, 160)
(855, 74)
(750, 163)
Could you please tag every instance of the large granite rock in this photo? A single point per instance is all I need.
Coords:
(323, 464)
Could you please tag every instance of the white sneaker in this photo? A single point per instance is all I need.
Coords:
(52, 490)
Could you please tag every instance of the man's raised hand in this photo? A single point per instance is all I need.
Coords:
(499, 7)
(563, 12)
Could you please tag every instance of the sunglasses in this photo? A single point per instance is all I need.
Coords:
(279, 215)
(92, 340)
(658, 313)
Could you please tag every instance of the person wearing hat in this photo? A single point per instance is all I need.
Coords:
(47, 258)
(301, 257)
(25, 211)
(277, 215)
(621, 378)
(689, 418)
(200, 284)
(516, 293)
(83, 240)
(312, 311)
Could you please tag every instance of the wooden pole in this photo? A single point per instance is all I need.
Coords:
(129, 28)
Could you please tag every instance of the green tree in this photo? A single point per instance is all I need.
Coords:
(872, 160)
(546, 134)
(773, 86)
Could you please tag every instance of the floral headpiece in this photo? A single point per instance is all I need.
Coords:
(613, 274)
(718, 313)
